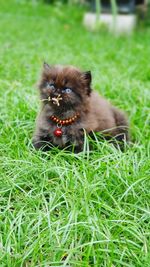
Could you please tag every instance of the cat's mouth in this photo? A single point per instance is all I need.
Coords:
(55, 100)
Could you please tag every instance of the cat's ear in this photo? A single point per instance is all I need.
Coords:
(46, 66)
(46, 71)
(87, 77)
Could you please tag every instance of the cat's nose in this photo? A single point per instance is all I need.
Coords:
(58, 93)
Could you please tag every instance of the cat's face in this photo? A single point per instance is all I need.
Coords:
(67, 84)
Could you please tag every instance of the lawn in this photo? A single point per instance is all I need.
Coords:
(60, 208)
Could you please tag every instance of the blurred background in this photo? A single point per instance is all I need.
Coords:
(69, 31)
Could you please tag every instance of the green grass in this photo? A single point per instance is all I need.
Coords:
(61, 209)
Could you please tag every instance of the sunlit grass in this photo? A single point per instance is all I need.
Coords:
(60, 208)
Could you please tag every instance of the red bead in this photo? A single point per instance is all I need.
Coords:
(58, 132)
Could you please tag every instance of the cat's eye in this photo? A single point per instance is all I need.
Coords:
(50, 86)
(67, 90)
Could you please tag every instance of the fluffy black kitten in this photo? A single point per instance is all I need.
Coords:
(69, 105)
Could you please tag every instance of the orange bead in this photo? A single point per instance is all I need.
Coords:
(66, 121)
